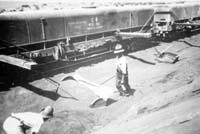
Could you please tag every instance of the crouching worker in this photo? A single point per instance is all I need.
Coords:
(27, 122)
(122, 72)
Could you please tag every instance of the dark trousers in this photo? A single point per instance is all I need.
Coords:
(122, 82)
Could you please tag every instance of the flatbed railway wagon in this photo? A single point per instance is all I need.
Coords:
(38, 40)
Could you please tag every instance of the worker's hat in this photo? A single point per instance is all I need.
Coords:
(47, 112)
(118, 49)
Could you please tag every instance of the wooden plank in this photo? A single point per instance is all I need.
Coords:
(17, 62)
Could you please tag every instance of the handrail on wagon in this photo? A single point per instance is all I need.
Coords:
(8, 43)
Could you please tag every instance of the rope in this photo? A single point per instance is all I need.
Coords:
(146, 22)
(107, 80)
(166, 48)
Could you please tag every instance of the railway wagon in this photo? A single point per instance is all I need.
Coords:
(28, 39)
(169, 19)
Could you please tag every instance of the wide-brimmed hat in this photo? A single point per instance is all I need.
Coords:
(118, 49)
(47, 112)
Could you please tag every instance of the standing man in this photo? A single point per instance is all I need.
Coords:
(20, 123)
(121, 72)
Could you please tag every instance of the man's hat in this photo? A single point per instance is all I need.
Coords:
(47, 112)
(118, 49)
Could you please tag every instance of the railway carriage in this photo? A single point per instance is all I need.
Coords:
(45, 36)
(169, 19)
(34, 39)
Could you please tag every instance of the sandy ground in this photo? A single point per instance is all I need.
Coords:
(166, 98)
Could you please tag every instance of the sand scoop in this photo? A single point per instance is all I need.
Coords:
(166, 57)
(104, 93)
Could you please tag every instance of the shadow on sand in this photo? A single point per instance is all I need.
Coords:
(132, 92)
(142, 60)
(101, 103)
(189, 44)
(53, 95)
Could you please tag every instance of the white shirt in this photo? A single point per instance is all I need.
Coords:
(34, 120)
(122, 64)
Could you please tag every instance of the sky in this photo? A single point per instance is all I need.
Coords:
(9, 4)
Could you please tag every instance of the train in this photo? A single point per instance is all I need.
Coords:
(169, 19)
(48, 37)
(67, 35)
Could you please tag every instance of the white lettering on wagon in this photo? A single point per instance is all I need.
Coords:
(94, 24)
